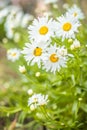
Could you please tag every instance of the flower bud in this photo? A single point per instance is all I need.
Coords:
(22, 69)
(30, 91)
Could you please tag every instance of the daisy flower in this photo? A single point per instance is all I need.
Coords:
(13, 21)
(43, 100)
(3, 13)
(56, 58)
(38, 100)
(67, 26)
(13, 54)
(42, 29)
(35, 52)
(33, 99)
(76, 12)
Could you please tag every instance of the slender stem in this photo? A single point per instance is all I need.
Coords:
(44, 128)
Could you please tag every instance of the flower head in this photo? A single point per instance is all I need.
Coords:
(67, 26)
(38, 100)
(41, 29)
(76, 12)
(13, 54)
(35, 52)
(56, 58)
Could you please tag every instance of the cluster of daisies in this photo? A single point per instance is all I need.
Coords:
(14, 17)
(40, 50)
(46, 53)
(36, 100)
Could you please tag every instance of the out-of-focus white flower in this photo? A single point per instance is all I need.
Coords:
(13, 21)
(3, 13)
(56, 59)
(43, 100)
(55, 6)
(35, 52)
(22, 69)
(30, 91)
(33, 99)
(38, 100)
(13, 54)
(42, 29)
(14, 18)
(66, 6)
(47, 14)
(76, 12)
(17, 37)
(5, 40)
(50, 1)
(67, 26)
(25, 20)
(75, 45)
(37, 74)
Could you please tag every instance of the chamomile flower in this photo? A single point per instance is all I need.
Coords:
(13, 54)
(33, 99)
(67, 26)
(43, 100)
(42, 29)
(13, 21)
(76, 12)
(3, 13)
(56, 58)
(38, 100)
(66, 6)
(35, 52)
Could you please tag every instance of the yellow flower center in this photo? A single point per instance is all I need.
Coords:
(13, 54)
(75, 14)
(67, 26)
(43, 30)
(54, 58)
(35, 99)
(37, 51)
